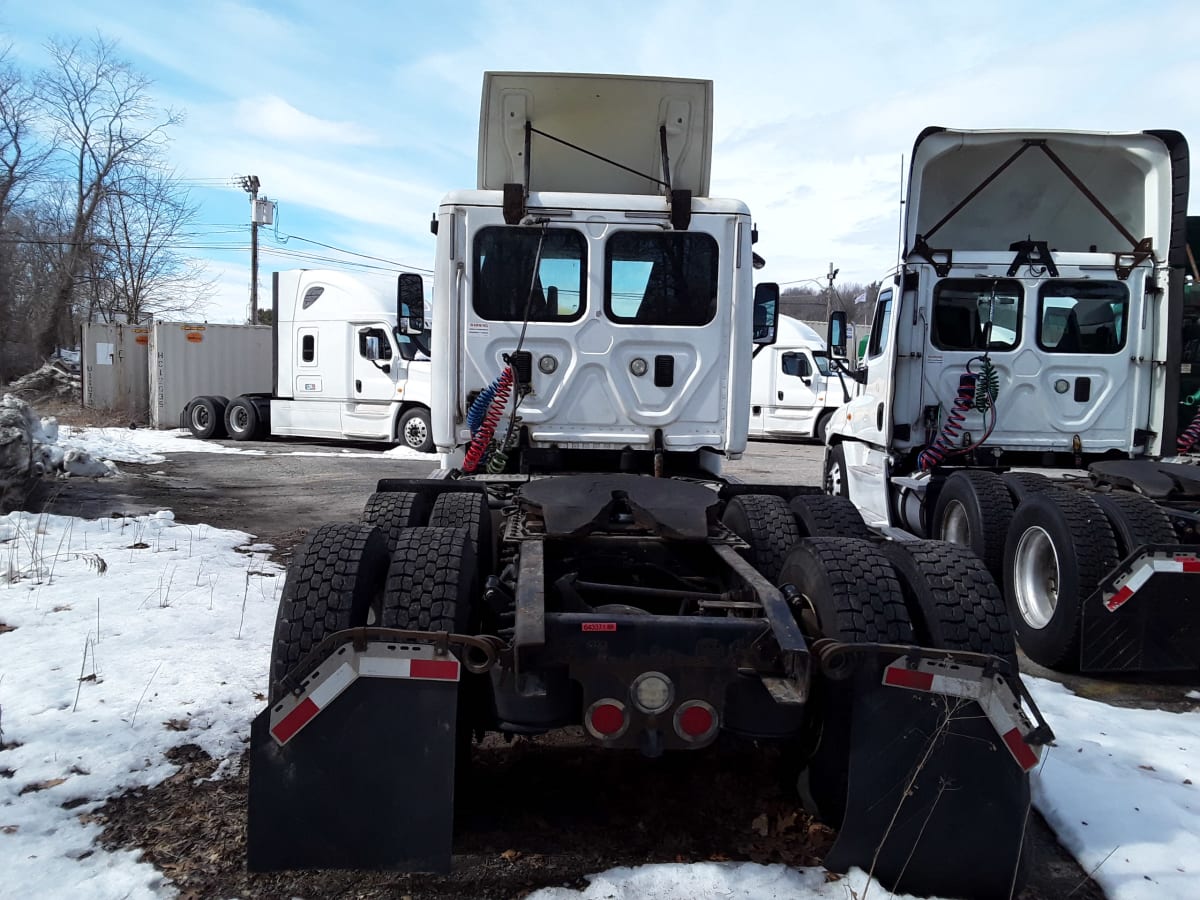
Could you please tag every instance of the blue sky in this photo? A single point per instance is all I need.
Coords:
(358, 116)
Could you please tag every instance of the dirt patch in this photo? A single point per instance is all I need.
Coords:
(52, 382)
(537, 813)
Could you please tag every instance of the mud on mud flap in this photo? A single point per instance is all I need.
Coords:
(356, 770)
(938, 779)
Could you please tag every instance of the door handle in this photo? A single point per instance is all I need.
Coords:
(879, 417)
(780, 393)
(358, 385)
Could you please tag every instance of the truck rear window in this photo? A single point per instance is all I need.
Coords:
(506, 284)
(1082, 316)
(661, 278)
(964, 307)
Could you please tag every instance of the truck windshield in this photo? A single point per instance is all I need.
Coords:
(504, 275)
(1082, 316)
(661, 278)
(962, 308)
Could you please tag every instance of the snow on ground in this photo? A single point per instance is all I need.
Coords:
(148, 445)
(133, 635)
(129, 636)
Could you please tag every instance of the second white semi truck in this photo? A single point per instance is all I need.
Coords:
(348, 363)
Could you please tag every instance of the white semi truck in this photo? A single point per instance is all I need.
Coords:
(350, 362)
(792, 392)
(580, 562)
(1021, 383)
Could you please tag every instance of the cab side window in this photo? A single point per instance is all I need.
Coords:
(796, 364)
(881, 323)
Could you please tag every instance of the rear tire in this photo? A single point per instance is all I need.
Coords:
(431, 581)
(952, 599)
(469, 510)
(851, 591)
(414, 430)
(334, 579)
(974, 510)
(765, 522)
(1059, 548)
(206, 417)
(1135, 520)
(391, 512)
(242, 422)
(1022, 484)
(828, 515)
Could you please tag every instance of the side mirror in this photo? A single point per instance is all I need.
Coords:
(410, 303)
(836, 338)
(766, 312)
(372, 342)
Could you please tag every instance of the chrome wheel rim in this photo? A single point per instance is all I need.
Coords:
(415, 433)
(833, 477)
(1036, 577)
(240, 419)
(199, 417)
(956, 527)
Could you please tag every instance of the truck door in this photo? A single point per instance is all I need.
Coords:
(791, 406)
(375, 368)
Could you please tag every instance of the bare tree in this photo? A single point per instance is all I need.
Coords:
(105, 126)
(145, 217)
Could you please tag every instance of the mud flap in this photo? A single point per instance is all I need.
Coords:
(1145, 616)
(356, 770)
(937, 800)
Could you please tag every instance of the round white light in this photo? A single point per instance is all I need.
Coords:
(1062, 385)
(547, 364)
(637, 366)
(652, 692)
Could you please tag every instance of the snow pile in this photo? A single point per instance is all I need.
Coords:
(122, 638)
(53, 381)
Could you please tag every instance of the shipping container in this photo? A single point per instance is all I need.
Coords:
(189, 360)
(115, 364)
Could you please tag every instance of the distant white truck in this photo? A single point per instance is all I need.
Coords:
(349, 363)
(790, 392)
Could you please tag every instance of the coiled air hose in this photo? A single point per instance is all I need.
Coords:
(488, 412)
(943, 445)
(1187, 440)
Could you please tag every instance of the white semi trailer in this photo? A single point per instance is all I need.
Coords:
(792, 392)
(349, 363)
(1021, 383)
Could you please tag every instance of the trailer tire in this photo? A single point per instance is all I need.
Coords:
(833, 479)
(974, 509)
(1022, 484)
(392, 511)
(952, 599)
(1136, 521)
(334, 579)
(828, 515)
(431, 581)
(1059, 548)
(849, 592)
(765, 522)
(414, 430)
(206, 417)
(242, 421)
(466, 509)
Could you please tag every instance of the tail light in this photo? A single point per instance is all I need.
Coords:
(606, 719)
(695, 721)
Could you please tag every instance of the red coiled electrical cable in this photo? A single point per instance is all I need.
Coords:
(483, 437)
(1190, 436)
(943, 445)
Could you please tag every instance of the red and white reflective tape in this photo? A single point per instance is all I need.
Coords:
(380, 660)
(1143, 569)
(999, 703)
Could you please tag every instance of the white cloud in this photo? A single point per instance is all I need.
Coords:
(273, 118)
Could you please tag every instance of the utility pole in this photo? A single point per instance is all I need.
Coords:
(829, 296)
(250, 185)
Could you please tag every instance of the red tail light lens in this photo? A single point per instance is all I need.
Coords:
(695, 720)
(606, 719)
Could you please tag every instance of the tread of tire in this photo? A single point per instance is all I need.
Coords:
(426, 580)
(390, 512)
(994, 499)
(828, 515)
(1145, 520)
(320, 588)
(771, 530)
(950, 575)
